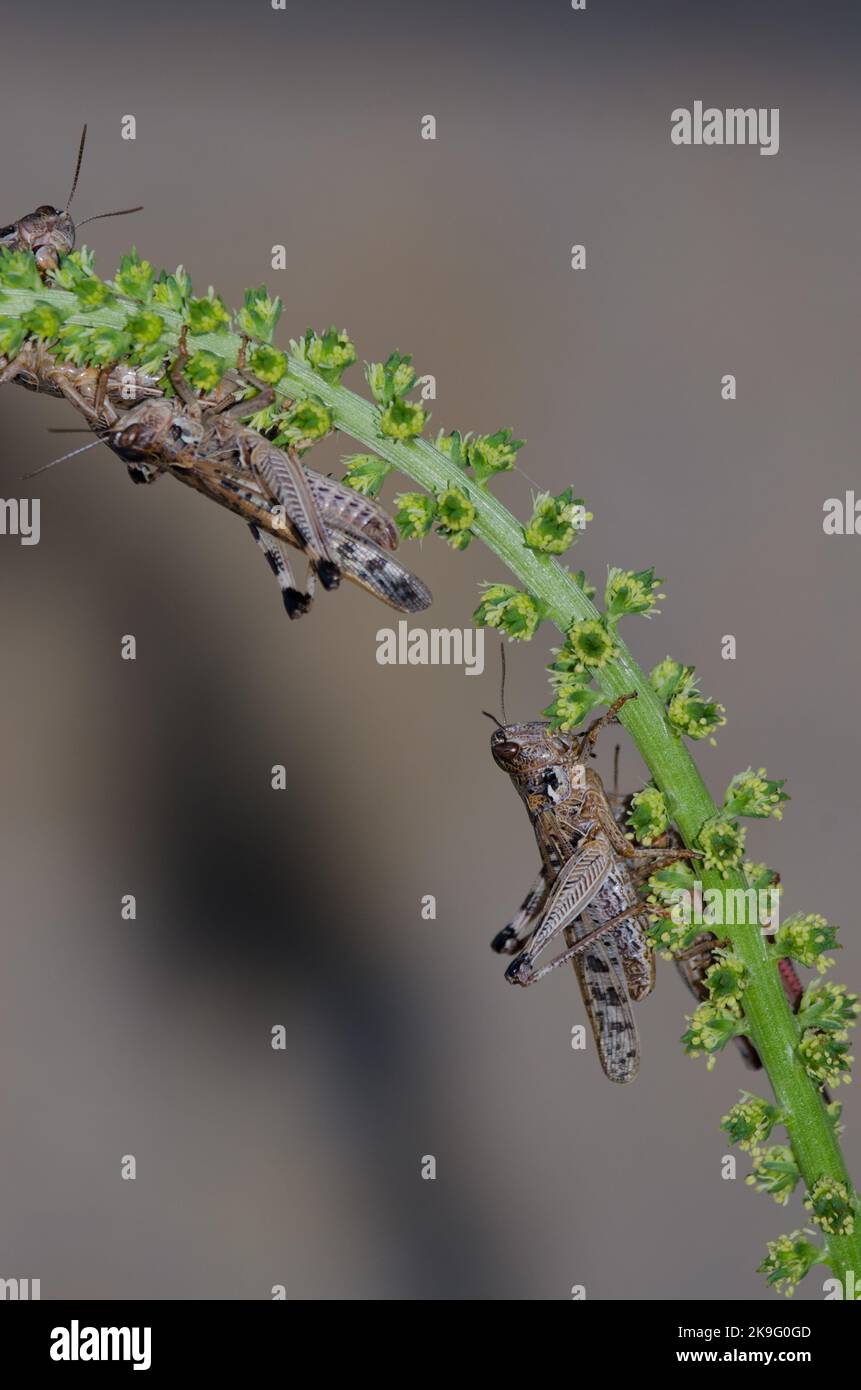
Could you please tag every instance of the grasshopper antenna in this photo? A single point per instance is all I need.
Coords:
(123, 212)
(500, 725)
(77, 168)
(45, 466)
(502, 682)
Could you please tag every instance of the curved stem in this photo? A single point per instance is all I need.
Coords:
(769, 1021)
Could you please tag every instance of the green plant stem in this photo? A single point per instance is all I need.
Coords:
(771, 1025)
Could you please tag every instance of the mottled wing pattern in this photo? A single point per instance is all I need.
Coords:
(602, 984)
(578, 881)
(376, 571)
(617, 894)
(348, 510)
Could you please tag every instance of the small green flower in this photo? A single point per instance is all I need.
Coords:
(711, 1028)
(573, 702)
(828, 1006)
(454, 447)
(760, 876)
(488, 454)
(750, 1121)
(726, 981)
(145, 329)
(207, 315)
(174, 291)
(259, 315)
(515, 613)
(43, 321)
(826, 1057)
(556, 522)
(775, 1172)
(591, 643)
(366, 473)
(752, 794)
(722, 843)
(330, 353)
(92, 293)
(649, 818)
(18, 270)
(79, 265)
(268, 363)
(304, 423)
(567, 668)
(456, 512)
(806, 937)
(670, 677)
(99, 346)
(12, 336)
(135, 278)
(416, 514)
(832, 1206)
(402, 420)
(204, 370)
(631, 591)
(790, 1258)
(390, 379)
(690, 714)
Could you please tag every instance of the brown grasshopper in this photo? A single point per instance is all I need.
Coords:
(204, 443)
(49, 232)
(588, 885)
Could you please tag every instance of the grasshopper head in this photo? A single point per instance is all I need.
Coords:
(539, 761)
(154, 431)
(48, 232)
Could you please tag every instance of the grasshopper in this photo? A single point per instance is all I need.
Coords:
(49, 232)
(203, 443)
(587, 887)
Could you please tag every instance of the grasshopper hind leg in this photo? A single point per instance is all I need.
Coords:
(295, 601)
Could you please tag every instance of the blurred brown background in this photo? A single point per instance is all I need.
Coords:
(256, 127)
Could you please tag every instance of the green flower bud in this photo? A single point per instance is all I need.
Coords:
(366, 473)
(649, 818)
(18, 270)
(669, 677)
(711, 1028)
(722, 843)
(43, 321)
(304, 423)
(752, 794)
(775, 1172)
(690, 714)
(788, 1260)
(259, 315)
(488, 454)
(135, 278)
(515, 613)
(726, 981)
(204, 370)
(591, 643)
(12, 336)
(750, 1121)
(268, 363)
(805, 937)
(206, 315)
(416, 514)
(173, 291)
(826, 1057)
(631, 591)
(832, 1206)
(828, 1006)
(573, 702)
(402, 420)
(555, 523)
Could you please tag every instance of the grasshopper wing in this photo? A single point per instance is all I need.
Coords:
(367, 564)
(602, 983)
